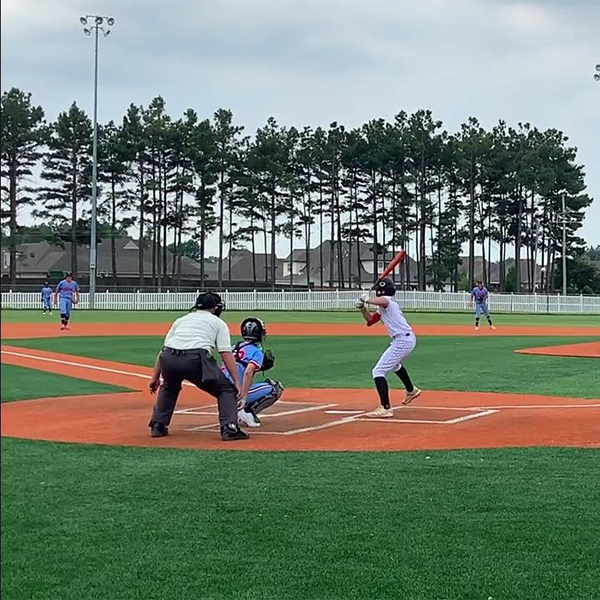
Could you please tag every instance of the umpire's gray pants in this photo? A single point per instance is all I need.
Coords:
(201, 369)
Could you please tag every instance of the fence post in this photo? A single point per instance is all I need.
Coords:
(255, 300)
(511, 302)
(581, 303)
(441, 303)
(337, 298)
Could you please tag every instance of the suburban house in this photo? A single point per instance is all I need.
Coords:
(358, 266)
(242, 266)
(40, 261)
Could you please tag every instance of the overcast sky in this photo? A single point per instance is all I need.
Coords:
(315, 61)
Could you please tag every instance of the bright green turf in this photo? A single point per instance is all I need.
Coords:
(83, 316)
(168, 524)
(20, 383)
(442, 363)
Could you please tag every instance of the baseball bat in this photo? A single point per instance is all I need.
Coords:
(399, 258)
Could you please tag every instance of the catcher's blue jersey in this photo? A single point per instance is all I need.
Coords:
(246, 353)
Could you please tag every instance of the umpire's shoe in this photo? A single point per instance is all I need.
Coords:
(233, 432)
(158, 430)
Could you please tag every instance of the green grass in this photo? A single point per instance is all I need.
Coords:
(447, 318)
(164, 524)
(20, 383)
(443, 363)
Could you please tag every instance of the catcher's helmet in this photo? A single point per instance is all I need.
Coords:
(253, 330)
(209, 300)
(385, 287)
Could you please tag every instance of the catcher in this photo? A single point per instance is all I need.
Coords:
(250, 359)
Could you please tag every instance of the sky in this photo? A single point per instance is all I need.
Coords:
(310, 62)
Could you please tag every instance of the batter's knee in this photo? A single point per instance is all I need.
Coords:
(378, 371)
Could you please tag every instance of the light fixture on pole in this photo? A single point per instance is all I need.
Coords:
(95, 23)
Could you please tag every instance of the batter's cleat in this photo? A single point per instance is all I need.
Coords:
(493, 327)
(158, 430)
(381, 413)
(477, 328)
(63, 327)
(410, 396)
(231, 433)
(247, 418)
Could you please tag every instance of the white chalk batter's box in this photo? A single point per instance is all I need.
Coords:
(292, 418)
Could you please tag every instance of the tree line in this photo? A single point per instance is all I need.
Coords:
(408, 183)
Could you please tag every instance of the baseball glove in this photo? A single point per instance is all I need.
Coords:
(268, 361)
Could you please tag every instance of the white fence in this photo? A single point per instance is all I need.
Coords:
(327, 300)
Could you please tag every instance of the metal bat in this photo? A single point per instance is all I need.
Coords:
(399, 258)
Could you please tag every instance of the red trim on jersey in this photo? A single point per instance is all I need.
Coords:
(374, 319)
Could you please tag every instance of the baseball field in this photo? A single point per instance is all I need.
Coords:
(486, 487)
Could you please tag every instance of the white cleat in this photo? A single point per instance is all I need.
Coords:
(381, 413)
(410, 396)
(248, 419)
(493, 327)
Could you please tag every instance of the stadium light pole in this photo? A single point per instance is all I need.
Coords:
(95, 24)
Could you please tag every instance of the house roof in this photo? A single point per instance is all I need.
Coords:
(242, 266)
(40, 258)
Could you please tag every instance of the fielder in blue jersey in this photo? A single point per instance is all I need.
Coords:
(67, 294)
(250, 359)
(47, 298)
(479, 295)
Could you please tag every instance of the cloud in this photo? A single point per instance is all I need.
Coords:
(314, 61)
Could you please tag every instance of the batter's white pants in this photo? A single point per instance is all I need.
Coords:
(391, 360)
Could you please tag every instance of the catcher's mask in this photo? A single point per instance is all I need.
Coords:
(253, 330)
(385, 287)
(208, 301)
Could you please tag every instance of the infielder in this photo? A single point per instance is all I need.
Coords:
(250, 358)
(47, 298)
(402, 344)
(479, 295)
(68, 292)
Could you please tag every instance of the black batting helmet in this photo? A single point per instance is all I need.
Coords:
(385, 287)
(209, 300)
(253, 330)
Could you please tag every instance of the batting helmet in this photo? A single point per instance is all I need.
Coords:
(385, 287)
(253, 330)
(209, 300)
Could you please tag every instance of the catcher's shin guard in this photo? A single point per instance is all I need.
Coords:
(269, 399)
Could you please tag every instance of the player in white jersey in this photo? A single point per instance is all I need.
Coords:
(402, 344)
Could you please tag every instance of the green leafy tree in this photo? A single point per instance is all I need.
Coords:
(114, 157)
(228, 148)
(268, 161)
(136, 140)
(21, 137)
(67, 168)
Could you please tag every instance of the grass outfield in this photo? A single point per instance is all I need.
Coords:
(443, 363)
(20, 383)
(164, 524)
(447, 318)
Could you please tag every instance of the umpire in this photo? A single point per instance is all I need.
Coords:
(187, 355)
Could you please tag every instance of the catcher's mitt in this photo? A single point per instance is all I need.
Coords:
(268, 361)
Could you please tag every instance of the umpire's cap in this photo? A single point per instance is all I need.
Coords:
(385, 287)
(209, 300)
